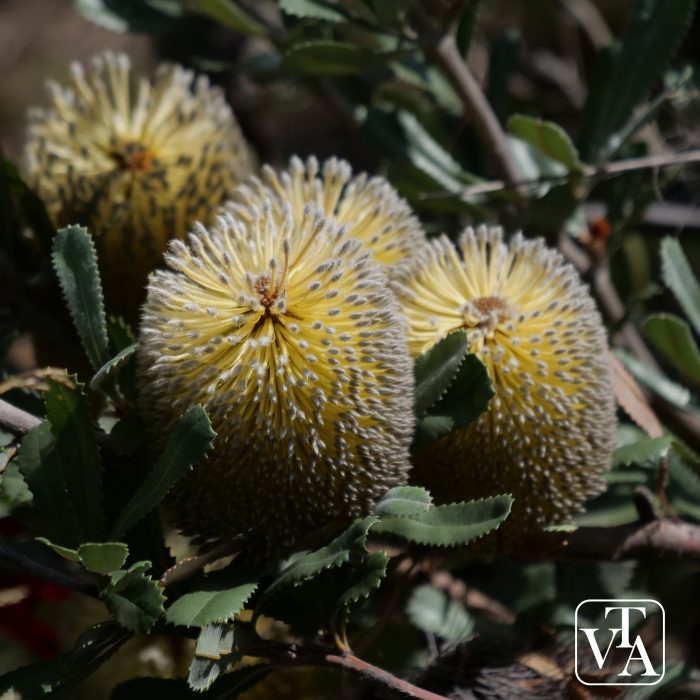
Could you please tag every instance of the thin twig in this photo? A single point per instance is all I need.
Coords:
(15, 420)
(588, 172)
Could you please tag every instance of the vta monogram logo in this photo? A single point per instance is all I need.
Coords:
(617, 651)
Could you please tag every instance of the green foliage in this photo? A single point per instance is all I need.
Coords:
(548, 137)
(112, 366)
(655, 380)
(103, 557)
(315, 9)
(403, 501)
(134, 599)
(648, 451)
(75, 263)
(672, 337)
(448, 525)
(680, 280)
(626, 77)
(432, 611)
(76, 448)
(229, 14)
(190, 439)
(329, 57)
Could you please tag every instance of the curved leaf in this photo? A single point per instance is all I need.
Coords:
(680, 280)
(328, 57)
(645, 451)
(404, 501)
(110, 367)
(205, 607)
(671, 336)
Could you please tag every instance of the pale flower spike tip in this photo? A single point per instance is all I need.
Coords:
(137, 161)
(548, 434)
(284, 328)
(370, 207)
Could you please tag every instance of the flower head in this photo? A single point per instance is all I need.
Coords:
(137, 163)
(369, 206)
(547, 435)
(286, 331)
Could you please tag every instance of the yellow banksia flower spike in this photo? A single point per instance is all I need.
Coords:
(369, 206)
(285, 329)
(136, 161)
(548, 433)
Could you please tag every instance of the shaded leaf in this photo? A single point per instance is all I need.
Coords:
(628, 73)
(135, 600)
(65, 552)
(110, 367)
(230, 14)
(432, 611)
(679, 278)
(645, 451)
(350, 544)
(436, 368)
(102, 557)
(39, 463)
(655, 380)
(144, 16)
(190, 439)
(430, 428)
(214, 655)
(311, 8)
(76, 445)
(75, 262)
(328, 57)
(468, 396)
(404, 500)
(548, 137)
(671, 336)
(449, 525)
(363, 578)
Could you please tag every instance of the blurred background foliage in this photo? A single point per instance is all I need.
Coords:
(575, 85)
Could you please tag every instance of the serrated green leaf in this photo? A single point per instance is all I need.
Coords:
(75, 262)
(671, 336)
(654, 31)
(430, 428)
(213, 655)
(134, 599)
(65, 552)
(103, 557)
(110, 367)
(449, 525)
(228, 687)
(436, 368)
(468, 395)
(14, 491)
(328, 57)
(679, 278)
(647, 451)
(76, 446)
(363, 578)
(40, 465)
(229, 14)
(190, 439)
(548, 137)
(655, 380)
(315, 9)
(402, 501)
(348, 545)
(431, 158)
(432, 611)
(206, 607)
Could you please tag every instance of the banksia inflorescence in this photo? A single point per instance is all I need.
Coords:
(548, 433)
(285, 329)
(137, 163)
(369, 206)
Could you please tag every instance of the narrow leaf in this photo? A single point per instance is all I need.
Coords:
(671, 336)
(103, 557)
(77, 449)
(206, 607)
(548, 137)
(190, 439)
(328, 57)
(404, 501)
(680, 280)
(229, 14)
(65, 552)
(75, 262)
(110, 367)
(435, 369)
(646, 451)
(311, 8)
(350, 544)
(449, 525)
(655, 380)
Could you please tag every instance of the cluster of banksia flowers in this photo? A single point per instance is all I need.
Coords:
(137, 162)
(283, 326)
(548, 433)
